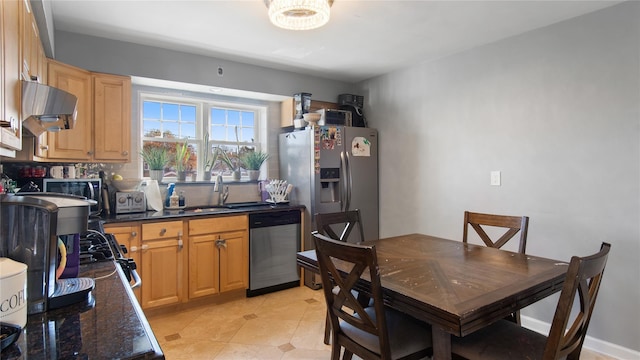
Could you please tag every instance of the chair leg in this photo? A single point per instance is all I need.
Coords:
(335, 352)
(348, 355)
(327, 331)
(514, 317)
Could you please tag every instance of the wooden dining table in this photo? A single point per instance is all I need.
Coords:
(456, 287)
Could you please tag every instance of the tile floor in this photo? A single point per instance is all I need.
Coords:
(288, 324)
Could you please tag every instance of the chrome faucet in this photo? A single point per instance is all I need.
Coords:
(223, 192)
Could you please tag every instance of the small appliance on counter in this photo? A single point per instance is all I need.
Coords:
(32, 230)
(88, 188)
(334, 117)
(130, 202)
(355, 105)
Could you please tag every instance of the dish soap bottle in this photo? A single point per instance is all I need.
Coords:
(174, 200)
(181, 200)
(170, 188)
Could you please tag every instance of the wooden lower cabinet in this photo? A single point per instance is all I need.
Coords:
(129, 236)
(162, 261)
(213, 260)
(218, 255)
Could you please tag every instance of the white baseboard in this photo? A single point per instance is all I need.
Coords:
(591, 343)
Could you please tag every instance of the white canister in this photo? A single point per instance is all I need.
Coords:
(57, 172)
(70, 172)
(13, 298)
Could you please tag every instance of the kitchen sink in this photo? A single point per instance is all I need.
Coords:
(244, 204)
(205, 209)
(219, 208)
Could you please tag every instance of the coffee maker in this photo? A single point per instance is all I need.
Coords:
(33, 228)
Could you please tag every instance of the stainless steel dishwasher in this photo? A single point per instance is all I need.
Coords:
(274, 240)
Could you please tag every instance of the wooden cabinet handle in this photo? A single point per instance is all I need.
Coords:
(134, 234)
(133, 249)
(145, 247)
(44, 147)
(163, 231)
(125, 153)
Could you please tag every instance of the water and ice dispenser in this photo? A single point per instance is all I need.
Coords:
(329, 185)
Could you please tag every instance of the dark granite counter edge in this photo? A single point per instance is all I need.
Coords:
(156, 352)
(182, 214)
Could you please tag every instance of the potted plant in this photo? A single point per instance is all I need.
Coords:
(252, 161)
(156, 158)
(182, 160)
(209, 160)
(234, 166)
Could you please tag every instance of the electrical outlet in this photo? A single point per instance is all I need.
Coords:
(495, 178)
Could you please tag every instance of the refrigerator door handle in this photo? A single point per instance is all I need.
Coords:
(348, 181)
(343, 181)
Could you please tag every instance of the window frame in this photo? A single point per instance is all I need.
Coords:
(203, 124)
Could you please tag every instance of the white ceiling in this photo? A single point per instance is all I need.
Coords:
(363, 39)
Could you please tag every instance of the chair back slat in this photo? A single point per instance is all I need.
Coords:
(345, 221)
(513, 225)
(582, 282)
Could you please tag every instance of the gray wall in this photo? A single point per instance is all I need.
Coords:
(123, 58)
(556, 110)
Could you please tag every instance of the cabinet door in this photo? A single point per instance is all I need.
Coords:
(234, 261)
(161, 273)
(76, 143)
(162, 264)
(112, 117)
(10, 120)
(203, 266)
(129, 236)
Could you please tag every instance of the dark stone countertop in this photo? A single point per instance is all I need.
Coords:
(109, 325)
(232, 209)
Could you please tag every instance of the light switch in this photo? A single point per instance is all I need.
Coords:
(495, 178)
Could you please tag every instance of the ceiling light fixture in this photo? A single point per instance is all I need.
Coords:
(299, 14)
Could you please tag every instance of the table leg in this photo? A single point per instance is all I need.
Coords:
(441, 344)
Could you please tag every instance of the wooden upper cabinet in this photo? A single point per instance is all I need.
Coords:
(76, 143)
(103, 126)
(11, 92)
(32, 50)
(112, 117)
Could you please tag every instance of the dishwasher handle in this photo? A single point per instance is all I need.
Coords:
(274, 218)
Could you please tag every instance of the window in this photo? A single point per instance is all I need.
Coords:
(205, 128)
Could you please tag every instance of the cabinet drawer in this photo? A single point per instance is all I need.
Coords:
(218, 224)
(161, 230)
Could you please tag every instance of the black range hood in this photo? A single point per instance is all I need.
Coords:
(46, 108)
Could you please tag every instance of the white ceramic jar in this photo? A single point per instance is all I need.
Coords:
(13, 297)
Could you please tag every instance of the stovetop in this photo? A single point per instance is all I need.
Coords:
(94, 246)
(98, 246)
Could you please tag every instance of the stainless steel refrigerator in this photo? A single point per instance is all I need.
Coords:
(333, 168)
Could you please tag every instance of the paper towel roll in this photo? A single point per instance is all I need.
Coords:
(152, 193)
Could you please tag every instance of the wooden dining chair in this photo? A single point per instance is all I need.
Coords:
(506, 340)
(372, 332)
(513, 224)
(344, 221)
